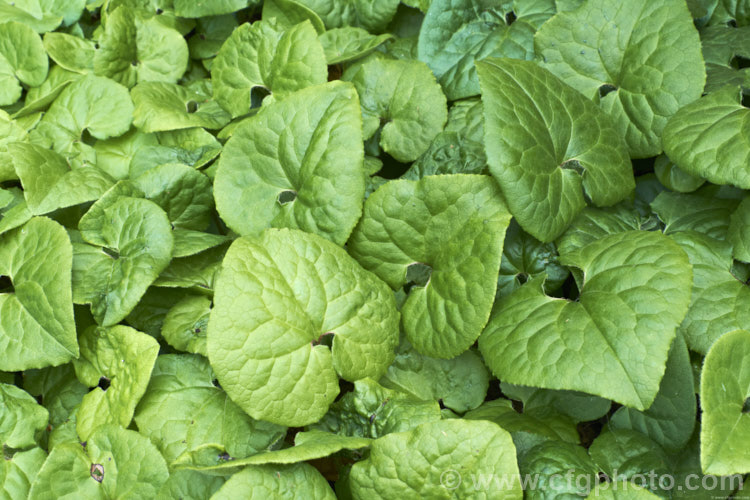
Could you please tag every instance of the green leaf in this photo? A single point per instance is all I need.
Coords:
(19, 471)
(372, 15)
(148, 316)
(641, 63)
(165, 106)
(706, 138)
(674, 178)
(182, 410)
(722, 45)
(190, 8)
(93, 104)
(738, 235)
(182, 192)
(308, 445)
(114, 463)
(50, 182)
(60, 390)
(550, 462)
(372, 411)
(459, 148)
(263, 57)
(188, 242)
(704, 212)
(38, 21)
(629, 455)
(577, 405)
(70, 52)
(460, 383)
(210, 35)
(186, 324)
(22, 419)
(451, 226)
(298, 164)
(719, 302)
(189, 485)
(132, 50)
(36, 325)
(282, 482)
(275, 300)
(115, 155)
(288, 13)
(403, 103)
(456, 33)
(670, 420)
(349, 43)
(22, 60)
(129, 244)
(548, 146)
(528, 428)
(524, 258)
(196, 271)
(725, 390)
(119, 360)
(39, 98)
(414, 463)
(10, 131)
(614, 340)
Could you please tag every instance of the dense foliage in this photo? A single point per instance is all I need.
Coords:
(374, 249)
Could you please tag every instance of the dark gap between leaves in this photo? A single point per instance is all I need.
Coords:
(87, 138)
(606, 89)
(104, 383)
(392, 168)
(746, 406)
(574, 165)
(112, 253)
(257, 95)
(191, 106)
(417, 274)
(740, 62)
(216, 383)
(510, 17)
(643, 165)
(287, 196)
(6, 285)
(522, 278)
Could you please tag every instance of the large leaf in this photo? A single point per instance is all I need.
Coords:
(22, 60)
(372, 15)
(119, 361)
(346, 44)
(260, 58)
(36, 324)
(431, 460)
(50, 182)
(614, 340)
(182, 410)
(549, 147)
(22, 419)
(670, 420)
(19, 471)
(133, 50)
(93, 104)
(707, 138)
(129, 242)
(719, 302)
(278, 297)
(456, 33)
(725, 392)
(165, 106)
(372, 411)
(641, 62)
(402, 101)
(282, 482)
(59, 390)
(70, 52)
(297, 163)
(460, 383)
(113, 463)
(442, 235)
(722, 47)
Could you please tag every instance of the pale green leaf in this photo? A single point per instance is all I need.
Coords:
(349, 43)
(450, 230)
(22, 60)
(298, 164)
(36, 325)
(123, 358)
(264, 57)
(22, 419)
(282, 482)
(164, 107)
(70, 52)
(402, 102)
(276, 299)
(614, 339)
(372, 15)
(549, 147)
(641, 62)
